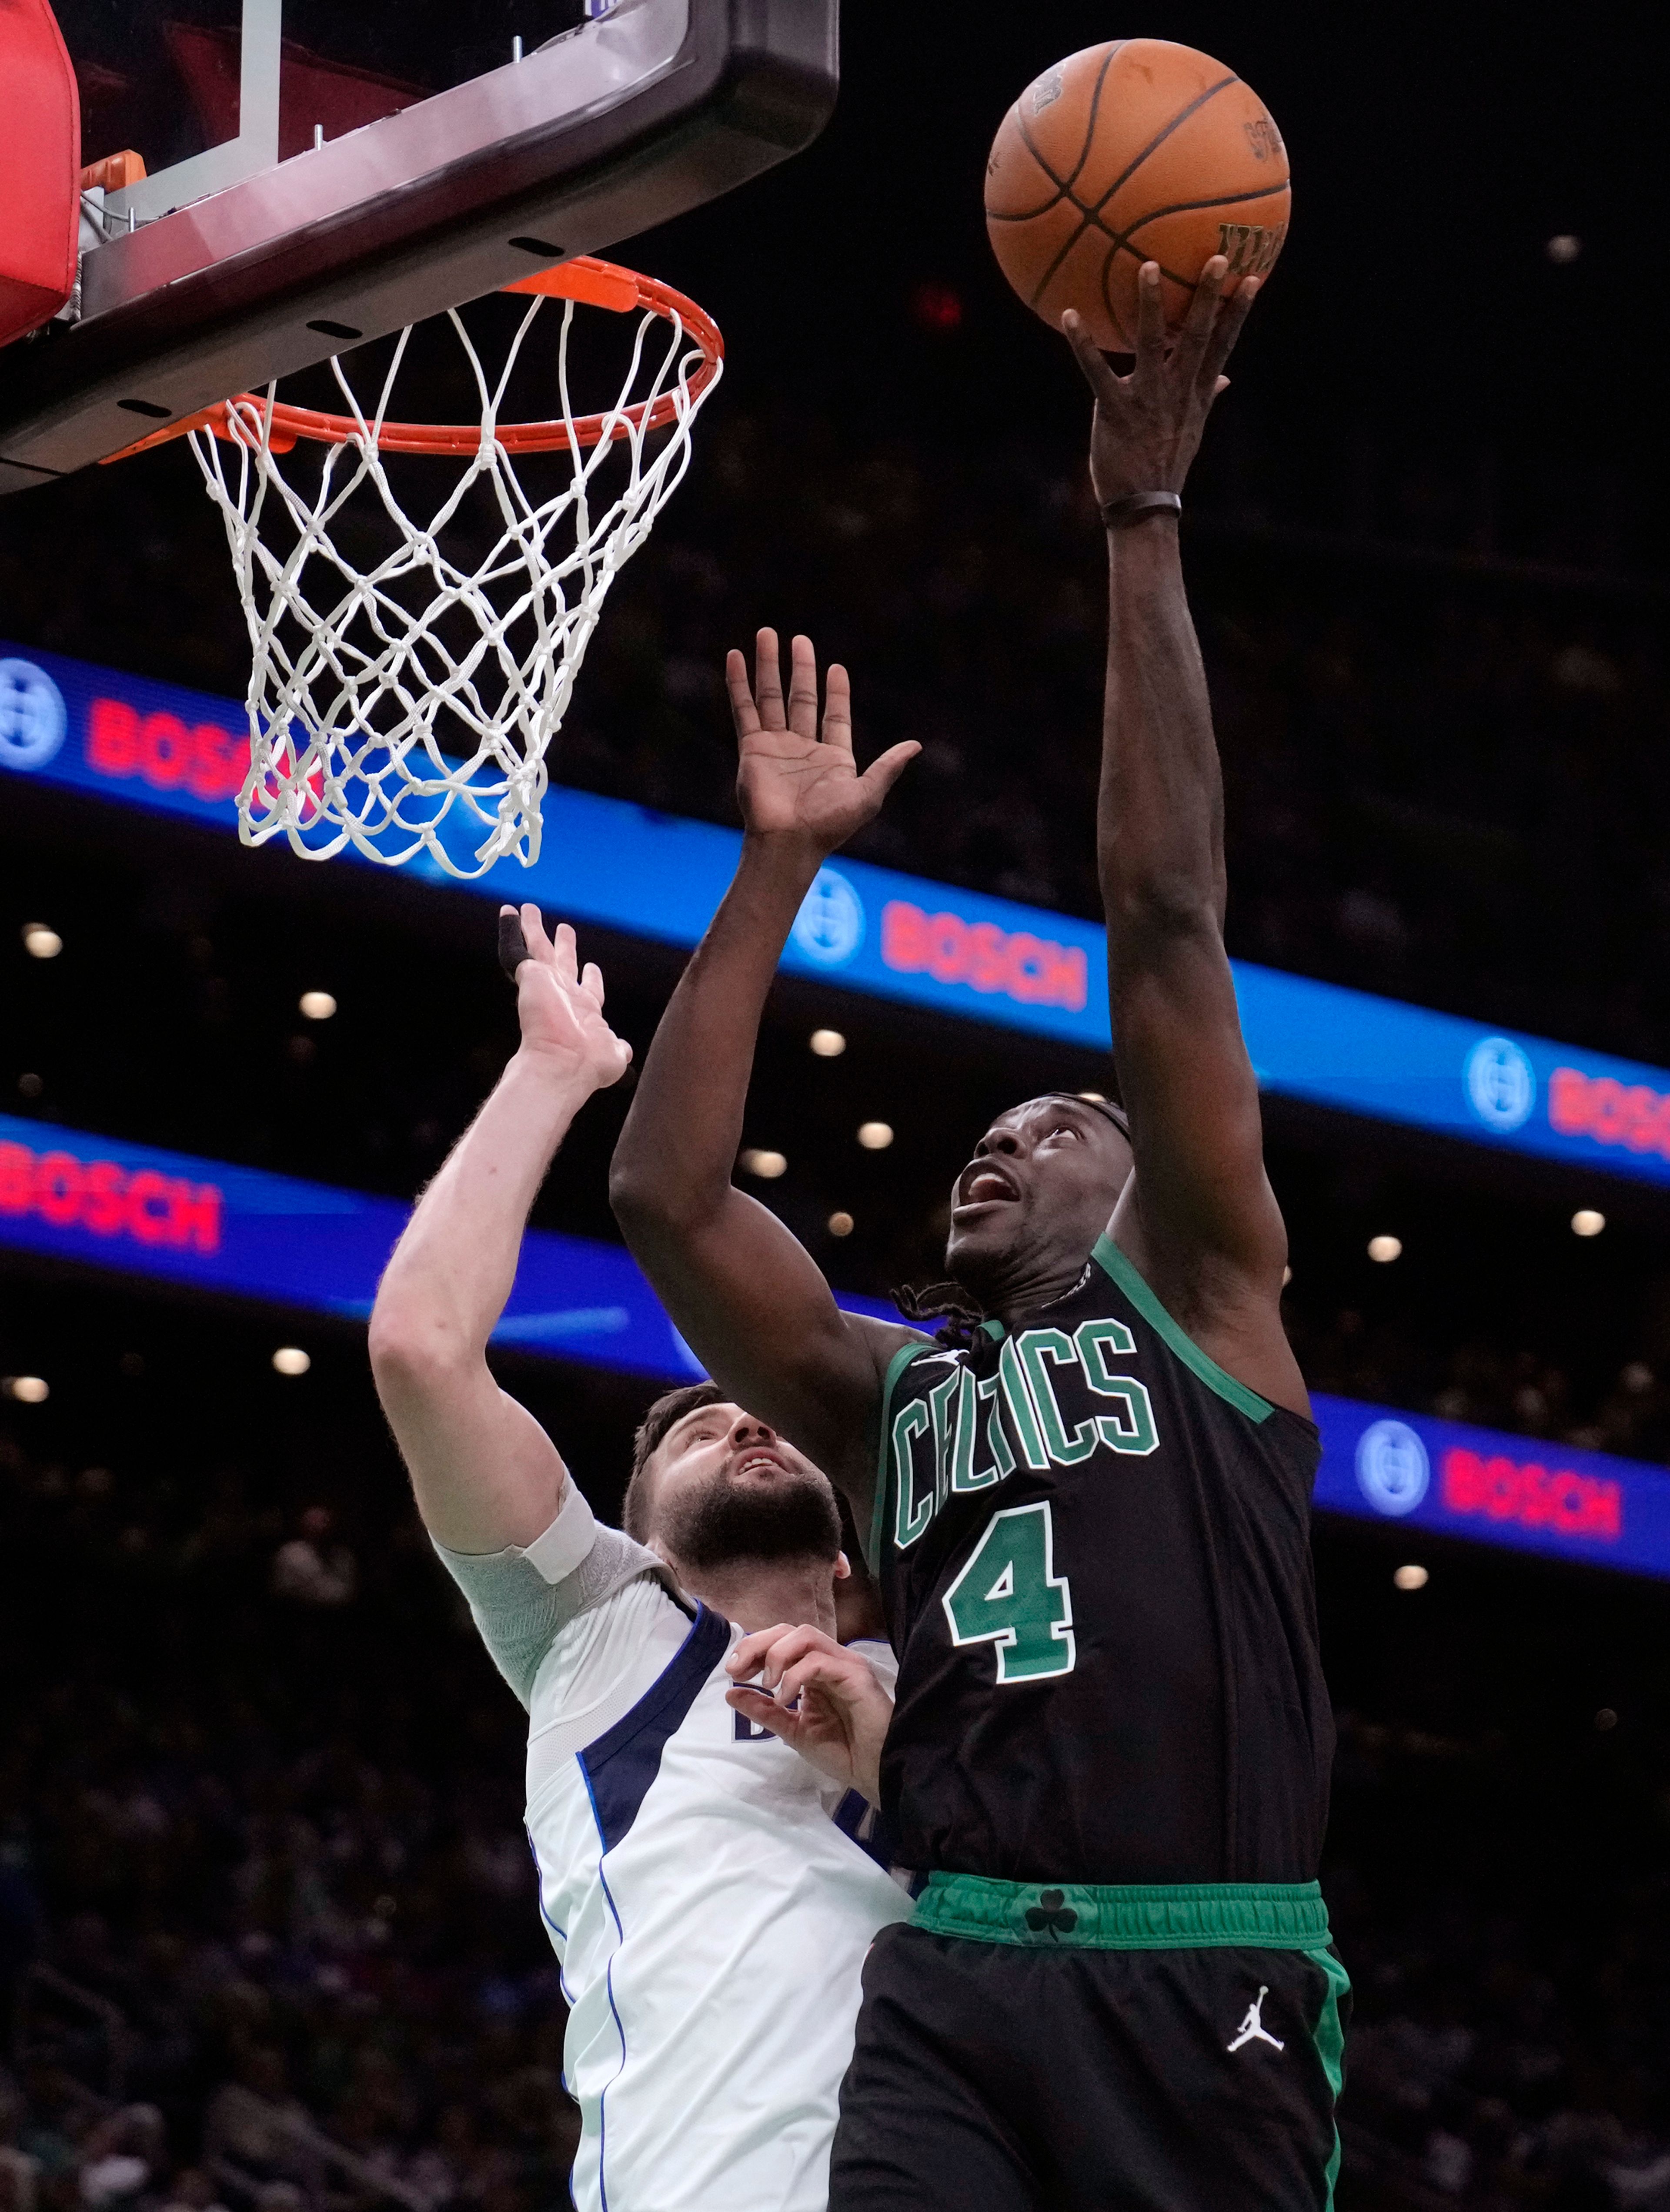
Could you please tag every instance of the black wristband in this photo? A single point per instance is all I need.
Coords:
(1119, 511)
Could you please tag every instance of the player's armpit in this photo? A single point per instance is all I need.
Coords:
(1192, 1098)
(1199, 1219)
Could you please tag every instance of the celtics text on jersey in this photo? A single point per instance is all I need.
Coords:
(1093, 1546)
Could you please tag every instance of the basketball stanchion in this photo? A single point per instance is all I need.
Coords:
(403, 704)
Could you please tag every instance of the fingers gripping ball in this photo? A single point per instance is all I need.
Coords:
(1138, 150)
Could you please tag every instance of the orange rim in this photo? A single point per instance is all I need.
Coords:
(596, 283)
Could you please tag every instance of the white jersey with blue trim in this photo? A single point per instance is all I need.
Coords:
(702, 1885)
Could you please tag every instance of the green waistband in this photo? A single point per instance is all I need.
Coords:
(1264, 1916)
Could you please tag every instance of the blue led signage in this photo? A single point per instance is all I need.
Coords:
(242, 1231)
(246, 1233)
(894, 936)
(1448, 1479)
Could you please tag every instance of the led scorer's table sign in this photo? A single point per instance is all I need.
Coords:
(243, 1232)
(185, 754)
(240, 1230)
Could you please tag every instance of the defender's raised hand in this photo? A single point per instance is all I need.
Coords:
(1148, 424)
(560, 1008)
(791, 780)
(819, 1696)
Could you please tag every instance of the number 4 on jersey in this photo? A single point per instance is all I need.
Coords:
(1010, 1594)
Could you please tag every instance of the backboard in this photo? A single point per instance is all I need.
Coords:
(324, 171)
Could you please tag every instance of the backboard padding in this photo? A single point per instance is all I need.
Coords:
(612, 129)
(39, 162)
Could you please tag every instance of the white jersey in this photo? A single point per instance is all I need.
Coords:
(702, 1884)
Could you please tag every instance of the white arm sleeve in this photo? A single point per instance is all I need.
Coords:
(522, 1598)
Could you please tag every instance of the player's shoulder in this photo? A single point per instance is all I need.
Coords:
(887, 1341)
(625, 1588)
(1238, 1359)
(605, 1663)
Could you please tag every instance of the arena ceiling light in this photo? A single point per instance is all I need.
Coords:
(28, 1389)
(766, 1165)
(1411, 1578)
(875, 1136)
(40, 941)
(840, 1224)
(828, 1044)
(290, 1360)
(1385, 1249)
(1586, 1222)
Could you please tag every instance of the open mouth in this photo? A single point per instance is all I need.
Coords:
(984, 1184)
(758, 1462)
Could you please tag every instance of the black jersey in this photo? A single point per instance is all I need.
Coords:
(1094, 1551)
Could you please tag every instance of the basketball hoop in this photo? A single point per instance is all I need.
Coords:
(428, 683)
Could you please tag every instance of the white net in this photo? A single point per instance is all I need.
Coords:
(410, 670)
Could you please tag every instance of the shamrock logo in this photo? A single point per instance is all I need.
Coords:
(1052, 1911)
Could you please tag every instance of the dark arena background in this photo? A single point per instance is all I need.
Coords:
(268, 1931)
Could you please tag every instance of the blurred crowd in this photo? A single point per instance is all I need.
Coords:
(269, 1939)
(1485, 1380)
(1511, 2023)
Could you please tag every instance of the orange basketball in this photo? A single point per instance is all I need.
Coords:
(1138, 150)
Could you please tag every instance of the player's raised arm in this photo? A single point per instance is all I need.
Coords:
(1199, 1216)
(749, 1300)
(485, 1472)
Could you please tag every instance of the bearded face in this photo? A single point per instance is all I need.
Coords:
(727, 1487)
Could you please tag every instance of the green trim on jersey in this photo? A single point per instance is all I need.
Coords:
(896, 1367)
(1113, 1263)
(1329, 2037)
(1259, 1916)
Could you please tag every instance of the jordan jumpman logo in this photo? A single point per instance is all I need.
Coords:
(1252, 2028)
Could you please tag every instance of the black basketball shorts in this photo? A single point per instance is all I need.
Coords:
(1029, 2049)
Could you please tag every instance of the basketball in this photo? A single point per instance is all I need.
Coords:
(1132, 151)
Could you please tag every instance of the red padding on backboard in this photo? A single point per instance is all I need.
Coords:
(40, 167)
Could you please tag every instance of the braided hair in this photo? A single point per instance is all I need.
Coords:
(957, 1310)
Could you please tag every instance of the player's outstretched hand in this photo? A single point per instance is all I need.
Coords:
(1148, 424)
(793, 779)
(560, 1007)
(818, 1696)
